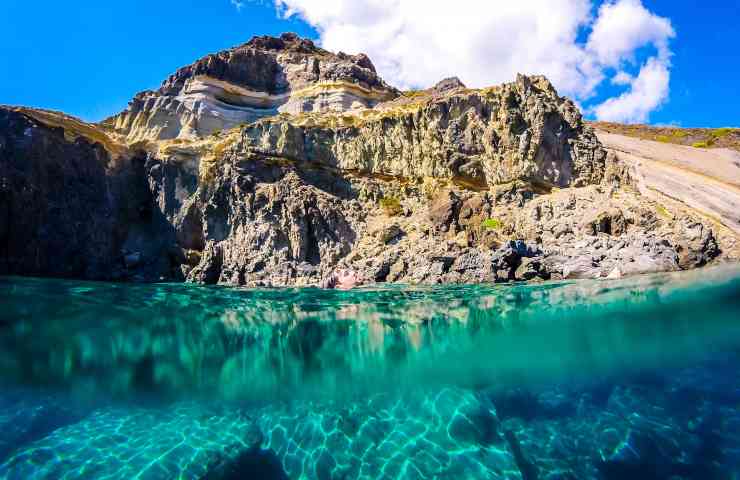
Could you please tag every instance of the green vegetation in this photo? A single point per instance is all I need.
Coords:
(492, 224)
(727, 137)
(663, 212)
(391, 206)
(414, 93)
(721, 132)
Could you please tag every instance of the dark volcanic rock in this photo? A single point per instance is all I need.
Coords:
(57, 214)
(68, 209)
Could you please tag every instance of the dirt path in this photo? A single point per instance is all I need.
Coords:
(707, 181)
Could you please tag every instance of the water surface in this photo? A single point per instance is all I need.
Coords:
(636, 378)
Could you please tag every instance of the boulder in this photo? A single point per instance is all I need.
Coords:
(530, 269)
(208, 271)
(697, 245)
(610, 222)
(443, 211)
(579, 268)
(387, 233)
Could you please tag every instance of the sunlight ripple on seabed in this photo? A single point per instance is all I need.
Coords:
(607, 379)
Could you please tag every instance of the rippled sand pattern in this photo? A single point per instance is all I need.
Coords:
(635, 379)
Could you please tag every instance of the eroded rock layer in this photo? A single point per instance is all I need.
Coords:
(521, 130)
(261, 78)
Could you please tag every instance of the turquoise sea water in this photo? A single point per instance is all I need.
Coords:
(635, 379)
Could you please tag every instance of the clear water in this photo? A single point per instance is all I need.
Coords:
(634, 379)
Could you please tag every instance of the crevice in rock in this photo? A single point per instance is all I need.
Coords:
(313, 252)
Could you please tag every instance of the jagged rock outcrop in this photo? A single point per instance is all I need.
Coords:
(520, 130)
(447, 184)
(261, 78)
(69, 208)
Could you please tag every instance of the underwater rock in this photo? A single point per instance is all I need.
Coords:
(27, 416)
(251, 463)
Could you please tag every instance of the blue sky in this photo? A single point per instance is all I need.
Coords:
(88, 58)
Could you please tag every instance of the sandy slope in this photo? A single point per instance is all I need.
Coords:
(705, 180)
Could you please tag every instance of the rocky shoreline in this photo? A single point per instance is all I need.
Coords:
(446, 185)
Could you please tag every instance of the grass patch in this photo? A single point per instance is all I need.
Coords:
(679, 134)
(492, 224)
(663, 138)
(661, 210)
(701, 145)
(391, 206)
(414, 93)
(721, 132)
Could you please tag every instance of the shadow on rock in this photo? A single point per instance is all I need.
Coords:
(254, 463)
(523, 404)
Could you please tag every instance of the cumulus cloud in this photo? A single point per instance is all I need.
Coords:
(415, 43)
(622, 78)
(646, 93)
(624, 26)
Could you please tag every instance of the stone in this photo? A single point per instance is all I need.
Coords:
(615, 274)
(443, 210)
(643, 263)
(531, 268)
(610, 222)
(579, 268)
(208, 271)
(561, 230)
(396, 271)
(70, 207)
(387, 233)
(461, 239)
(697, 245)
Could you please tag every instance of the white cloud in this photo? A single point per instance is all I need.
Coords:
(415, 43)
(647, 92)
(622, 78)
(624, 26)
(238, 5)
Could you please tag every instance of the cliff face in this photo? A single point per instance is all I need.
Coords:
(261, 78)
(522, 130)
(71, 208)
(328, 170)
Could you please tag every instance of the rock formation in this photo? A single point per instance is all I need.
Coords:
(71, 208)
(261, 78)
(279, 163)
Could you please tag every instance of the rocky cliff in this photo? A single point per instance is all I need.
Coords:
(261, 78)
(278, 163)
(74, 204)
